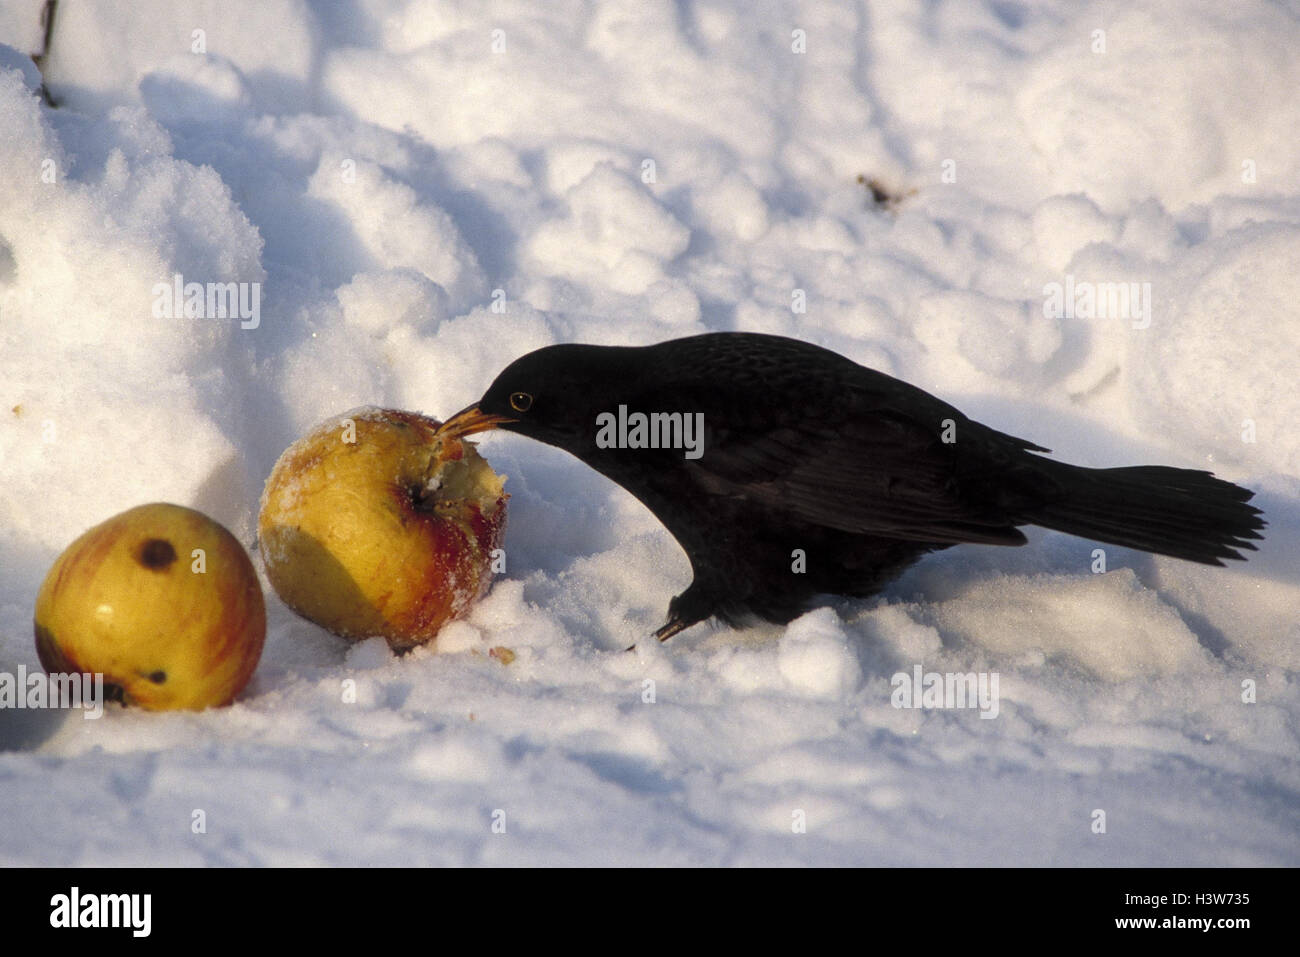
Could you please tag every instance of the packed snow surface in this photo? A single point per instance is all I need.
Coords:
(423, 191)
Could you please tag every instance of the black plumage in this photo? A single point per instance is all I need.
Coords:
(808, 453)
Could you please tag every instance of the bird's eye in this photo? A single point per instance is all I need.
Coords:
(521, 401)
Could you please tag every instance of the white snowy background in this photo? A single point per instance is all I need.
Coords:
(381, 167)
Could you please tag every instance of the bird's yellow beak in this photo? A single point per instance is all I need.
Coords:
(468, 421)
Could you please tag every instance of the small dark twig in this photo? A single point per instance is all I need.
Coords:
(47, 23)
(884, 198)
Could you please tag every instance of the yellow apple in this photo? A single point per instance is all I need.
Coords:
(372, 525)
(161, 600)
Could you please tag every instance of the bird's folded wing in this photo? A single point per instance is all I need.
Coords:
(882, 475)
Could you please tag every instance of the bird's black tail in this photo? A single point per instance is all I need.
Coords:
(1178, 512)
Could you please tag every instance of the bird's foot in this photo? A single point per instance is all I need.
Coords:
(669, 628)
(688, 608)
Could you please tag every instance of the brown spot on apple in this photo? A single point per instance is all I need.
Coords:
(157, 553)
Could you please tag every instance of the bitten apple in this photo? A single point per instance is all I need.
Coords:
(161, 600)
(372, 525)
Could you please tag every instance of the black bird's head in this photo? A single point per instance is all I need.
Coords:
(552, 395)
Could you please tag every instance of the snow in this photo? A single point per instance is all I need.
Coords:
(426, 191)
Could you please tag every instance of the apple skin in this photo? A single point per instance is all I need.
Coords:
(356, 538)
(124, 600)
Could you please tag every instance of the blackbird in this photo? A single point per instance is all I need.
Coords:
(787, 471)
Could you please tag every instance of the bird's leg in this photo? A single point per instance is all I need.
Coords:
(686, 609)
(671, 627)
(689, 608)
